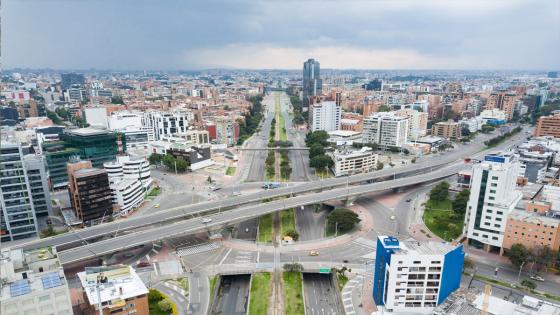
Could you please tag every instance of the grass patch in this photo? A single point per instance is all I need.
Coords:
(154, 192)
(322, 174)
(265, 228)
(283, 132)
(341, 281)
(260, 293)
(184, 284)
(293, 302)
(288, 220)
(442, 221)
(230, 171)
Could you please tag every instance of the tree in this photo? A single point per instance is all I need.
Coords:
(379, 165)
(321, 162)
(155, 158)
(465, 132)
(529, 284)
(440, 192)
(384, 108)
(543, 255)
(154, 295)
(209, 180)
(518, 254)
(459, 203)
(164, 305)
(293, 267)
(487, 128)
(315, 150)
(319, 136)
(345, 219)
(182, 165)
(117, 100)
(169, 161)
(293, 234)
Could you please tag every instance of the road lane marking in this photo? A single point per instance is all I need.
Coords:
(225, 256)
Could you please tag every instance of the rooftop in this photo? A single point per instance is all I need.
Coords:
(413, 247)
(116, 283)
(87, 132)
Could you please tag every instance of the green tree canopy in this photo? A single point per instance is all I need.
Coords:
(182, 165)
(459, 203)
(344, 218)
(319, 136)
(315, 150)
(440, 192)
(384, 108)
(321, 162)
(518, 254)
(155, 158)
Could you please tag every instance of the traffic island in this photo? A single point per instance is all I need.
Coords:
(293, 293)
(260, 293)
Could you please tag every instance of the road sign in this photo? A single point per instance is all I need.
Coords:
(324, 270)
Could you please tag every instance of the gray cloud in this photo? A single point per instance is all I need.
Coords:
(174, 34)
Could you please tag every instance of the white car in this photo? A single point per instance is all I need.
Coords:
(537, 278)
(393, 217)
(207, 220)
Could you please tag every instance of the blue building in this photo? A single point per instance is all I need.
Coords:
(413, 276)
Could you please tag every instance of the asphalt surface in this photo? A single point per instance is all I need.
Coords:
(233, 295)
(199, 293)
(176, 297)
(246, 230)
(260, 140)
(310, 225)
(320, 295)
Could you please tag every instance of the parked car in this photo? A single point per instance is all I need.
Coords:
(313, 253)
(206, 220)
(143, 264)
(537, 278)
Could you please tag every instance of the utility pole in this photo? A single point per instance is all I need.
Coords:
(519, 274)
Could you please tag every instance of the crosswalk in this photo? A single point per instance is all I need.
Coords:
(196, 249)
(243, 257)
(348, 292)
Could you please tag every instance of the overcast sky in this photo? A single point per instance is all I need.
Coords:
(273, 34)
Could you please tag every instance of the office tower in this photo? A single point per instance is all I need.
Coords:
(117, 289)
(385, 129)
(373, 85)
(96, 145)
(33, 282)
(325, 116)
(38, 184)
(493, 197)
(447, 129)
(354, 162)
(414, 277)
(548, 125)
(18, 214)
(169, 123)
(552, 74)
(312, 83)
(69, 79)
(90, 193)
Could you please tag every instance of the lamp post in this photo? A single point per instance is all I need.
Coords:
(520, 268)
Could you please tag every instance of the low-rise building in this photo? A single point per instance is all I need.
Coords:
(348, 162)
(414, 277)
(33, 282)
(197, 157)
(447, 129)
(493, 116)
(118, 290)
(531, 230)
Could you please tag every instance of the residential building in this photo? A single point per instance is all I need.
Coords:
(169, 123)
(351, 124)
(493, 116)
(417, 122)
(130, 168)
(33, 282)
(473, 124)
(37, 178)
(325, 116)
(493, 197)
(548, 125)
(312, 83)
(354, 162)
(96, 145)
(196, 156)
(414, 277)
(505, 101)
(532, 229)
(90, 193)
(386, 129)
(195, 137)
(117, 289)
(447, 129)
(227, 131)
(19, 219)
(31, 109)
(96, 116)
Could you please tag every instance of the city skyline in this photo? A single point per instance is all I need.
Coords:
(382, 35)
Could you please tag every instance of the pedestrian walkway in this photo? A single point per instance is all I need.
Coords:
(348, 296)
(197, 249)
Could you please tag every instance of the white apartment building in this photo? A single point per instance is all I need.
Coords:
(493, 196)
(195, 137)
(127, 194)
(325, 116)
(385, 129)
(472, 124)
(134, 127)
(493, 114)
(96, 116)
(413, 277)
(33, 282)
(419, 104)
(130, 168)
(354, 162)
(169, 123)
(417, 122)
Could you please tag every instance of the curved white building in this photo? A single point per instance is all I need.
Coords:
(131, 168)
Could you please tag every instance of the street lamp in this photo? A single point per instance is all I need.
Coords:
(519, 274)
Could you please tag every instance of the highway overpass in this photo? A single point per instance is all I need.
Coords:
(226, 218)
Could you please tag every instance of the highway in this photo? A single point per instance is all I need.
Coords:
(233, 295)
(226, 218)
(182, 212)
(320, 295)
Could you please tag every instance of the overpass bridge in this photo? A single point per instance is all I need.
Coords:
(226, 218)
(182, 212)
(275, 148)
